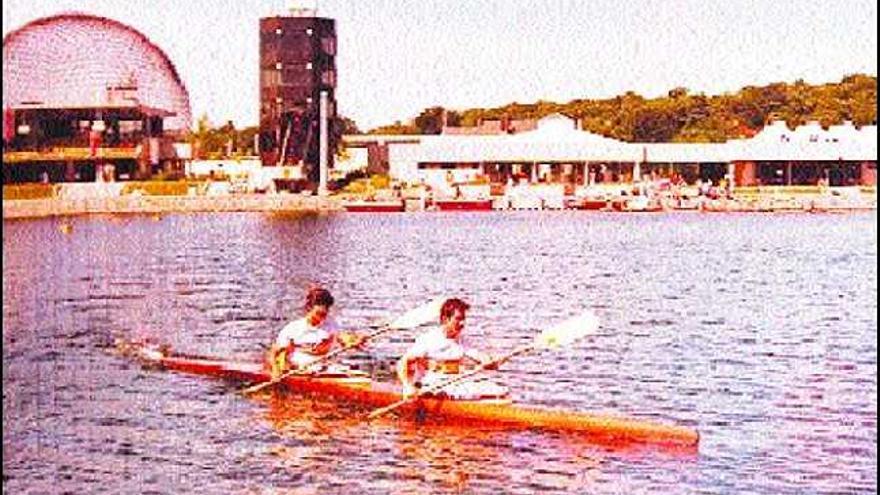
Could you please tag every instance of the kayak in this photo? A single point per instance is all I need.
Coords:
(359, 389)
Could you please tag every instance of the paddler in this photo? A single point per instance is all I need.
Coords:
(439, 355)
(305, 340)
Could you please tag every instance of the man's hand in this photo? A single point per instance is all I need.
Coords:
(408, 391)
(352, 339)
(278, 362)
(490, 363)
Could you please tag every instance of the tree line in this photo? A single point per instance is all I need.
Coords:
(678, 117)
(225, 141)
(681, 116)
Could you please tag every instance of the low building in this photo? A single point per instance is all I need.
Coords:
(87, 98)
(100, 143)
(557, 152)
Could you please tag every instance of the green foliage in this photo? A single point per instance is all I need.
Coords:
(685, 117)
(357, 187)
(216, 143)
(345, 125)
(432, 120)
(397, 128)
(357, 184)
(28, 191)
(158, 188)
(380, 181)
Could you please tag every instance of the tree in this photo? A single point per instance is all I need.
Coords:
(346, 125)
(655, 124)
(395, 129)
(431, 120)
(683, 117)
(679, 92)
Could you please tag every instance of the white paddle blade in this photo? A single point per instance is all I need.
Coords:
(426, 313)
(568, 331)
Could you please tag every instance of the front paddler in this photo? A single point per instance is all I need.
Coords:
(438, 355)
(305, 340)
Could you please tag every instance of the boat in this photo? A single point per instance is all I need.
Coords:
(684, 203)
(361, 390)
(463, 204)
(365, 206)
(636, 204)
(590, 203)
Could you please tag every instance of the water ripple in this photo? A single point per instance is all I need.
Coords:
(760, 331)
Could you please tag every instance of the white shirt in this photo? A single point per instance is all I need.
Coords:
(436, 346)
(305, 335)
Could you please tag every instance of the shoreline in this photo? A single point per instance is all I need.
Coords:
(14, 209)
(60, 207)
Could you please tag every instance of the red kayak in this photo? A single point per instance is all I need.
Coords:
(361, 390)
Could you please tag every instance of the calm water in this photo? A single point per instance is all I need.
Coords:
(759, 330)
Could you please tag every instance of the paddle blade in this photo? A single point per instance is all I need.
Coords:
(426, 313)
(568, 331)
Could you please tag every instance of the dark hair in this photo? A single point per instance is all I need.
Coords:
(451, 306)
(318, 296)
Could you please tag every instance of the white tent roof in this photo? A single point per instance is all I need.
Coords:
(556, 139)
(809, 143)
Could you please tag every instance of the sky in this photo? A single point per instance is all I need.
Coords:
(398, 57)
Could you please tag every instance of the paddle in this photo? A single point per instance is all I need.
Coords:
(426, 313)
(562, 334)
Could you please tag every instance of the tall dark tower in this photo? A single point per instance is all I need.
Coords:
(297, 64)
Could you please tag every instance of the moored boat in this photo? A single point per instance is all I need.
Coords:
(359, 389)
(634, 204)
(463, 204)
(362, 206)
(592, 204)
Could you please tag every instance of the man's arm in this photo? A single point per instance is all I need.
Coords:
(480, 357)
(406, 374)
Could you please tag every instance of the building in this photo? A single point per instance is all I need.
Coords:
(87, 98)
(376, 146)
(557, 152)
(842, 155)
(297, 67)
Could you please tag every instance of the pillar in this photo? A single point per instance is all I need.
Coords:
(323, 147)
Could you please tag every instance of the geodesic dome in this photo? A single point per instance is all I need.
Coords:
(69, 60)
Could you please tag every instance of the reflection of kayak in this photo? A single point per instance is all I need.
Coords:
(359, 389)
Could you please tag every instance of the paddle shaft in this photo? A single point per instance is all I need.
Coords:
(322, 359)
(464, 376)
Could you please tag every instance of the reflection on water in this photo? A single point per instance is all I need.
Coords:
(412, 457)
(760, 331)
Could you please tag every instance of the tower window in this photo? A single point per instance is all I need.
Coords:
(328, 45)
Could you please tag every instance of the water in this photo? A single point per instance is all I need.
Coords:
(758, 330)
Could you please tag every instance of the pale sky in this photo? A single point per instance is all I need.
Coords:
(397, 57)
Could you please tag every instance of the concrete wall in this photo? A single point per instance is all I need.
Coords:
(280, 203)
